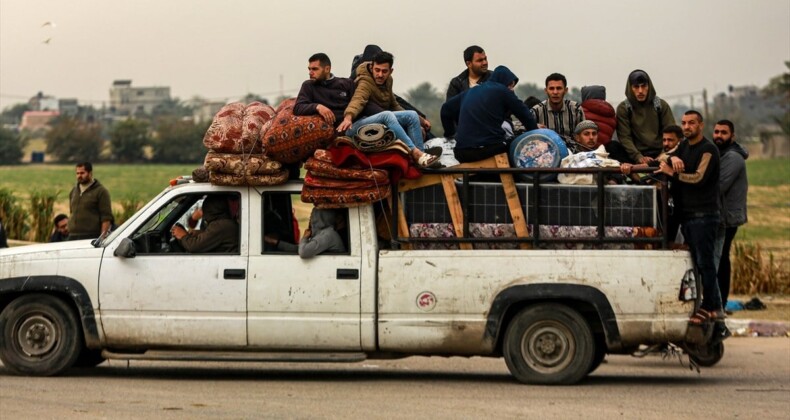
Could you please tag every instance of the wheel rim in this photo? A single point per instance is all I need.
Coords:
(548, 347)
(37, 335)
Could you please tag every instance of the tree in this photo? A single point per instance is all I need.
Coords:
(429, 101)
(11, 147)
(179, 141)
(525, 90)
(127, 139)
(171, 108)
(779, 85)
(13, 113)
(251, 97)
(72, 140)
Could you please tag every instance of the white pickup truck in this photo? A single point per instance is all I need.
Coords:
(552, 314)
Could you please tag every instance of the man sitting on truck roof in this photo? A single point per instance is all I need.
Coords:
(323, 93)
(374, 84)
(480, 113)
(221, 234)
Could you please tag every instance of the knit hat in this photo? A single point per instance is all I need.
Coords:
(584, 125)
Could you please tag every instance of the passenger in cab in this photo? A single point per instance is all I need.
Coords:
(323, 234)
(476, 72)
(480, 113)
(221, 234)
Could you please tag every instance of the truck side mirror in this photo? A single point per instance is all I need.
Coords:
(125, 249)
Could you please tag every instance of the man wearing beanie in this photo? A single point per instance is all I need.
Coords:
(587, 138)
(641, 119)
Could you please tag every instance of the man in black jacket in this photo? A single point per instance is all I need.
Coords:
(476, 72)
(323, 94)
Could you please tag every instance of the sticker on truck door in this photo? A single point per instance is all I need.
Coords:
(426, 301)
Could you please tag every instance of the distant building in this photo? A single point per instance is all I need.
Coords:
(205, 111)
(37, 120)
(41, 102)
(128, 100)
(68, 107)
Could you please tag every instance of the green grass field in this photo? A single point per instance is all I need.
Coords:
(124, 182)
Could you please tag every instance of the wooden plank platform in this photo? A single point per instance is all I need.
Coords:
(454, 203)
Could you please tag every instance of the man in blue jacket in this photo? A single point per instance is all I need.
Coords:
(479, 114)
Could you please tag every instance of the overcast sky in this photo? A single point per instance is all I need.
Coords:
(224, 49)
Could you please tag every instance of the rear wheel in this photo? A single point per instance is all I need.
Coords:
(40, 335)
(549, 344)
(707, 356)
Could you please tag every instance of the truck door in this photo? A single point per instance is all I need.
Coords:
(296, 303)
(165, 296)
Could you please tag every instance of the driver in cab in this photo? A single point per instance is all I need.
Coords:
(221, 234)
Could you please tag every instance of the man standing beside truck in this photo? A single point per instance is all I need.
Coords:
(90, 206)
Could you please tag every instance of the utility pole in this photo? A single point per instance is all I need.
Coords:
(705, 103)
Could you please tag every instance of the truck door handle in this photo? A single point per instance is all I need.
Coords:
(347, 274)
(235, 274)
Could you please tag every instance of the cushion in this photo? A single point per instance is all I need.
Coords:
(541, 148)
(256, 115)
(224, 133)
(340, 198)
(250, 179)
(290, 139)
(239, 164)
(323, 169)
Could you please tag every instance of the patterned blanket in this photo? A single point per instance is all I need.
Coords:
(289, 139)
(240, 164)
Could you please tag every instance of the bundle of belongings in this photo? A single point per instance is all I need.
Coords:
(236, 155)
(357, 170)
(596, 109)
(598, 158)
(249, 145)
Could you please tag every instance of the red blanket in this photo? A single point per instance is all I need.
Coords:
(398, 165)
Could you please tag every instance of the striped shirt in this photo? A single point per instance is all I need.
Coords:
(563, 122)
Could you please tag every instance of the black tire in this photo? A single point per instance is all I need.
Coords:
(40, 335)
(707, 356)
(89, 358)
(549, 344)
(600, 352)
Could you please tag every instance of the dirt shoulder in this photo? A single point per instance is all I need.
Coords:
(777, 308)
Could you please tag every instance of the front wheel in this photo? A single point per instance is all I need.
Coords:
(549, 344)
(40, 335)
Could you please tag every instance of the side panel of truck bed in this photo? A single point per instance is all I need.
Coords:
(438, 302)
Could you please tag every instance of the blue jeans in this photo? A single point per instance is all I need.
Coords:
(399, 122)
(700, 235)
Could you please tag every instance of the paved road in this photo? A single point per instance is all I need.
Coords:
(752, 381)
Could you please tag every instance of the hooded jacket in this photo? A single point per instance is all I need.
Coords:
(733, 184)
(368, 91)
(596, 109)
(481, 111)
(324, 237)
(639, 124)
(221, 234)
